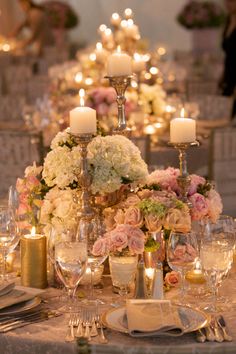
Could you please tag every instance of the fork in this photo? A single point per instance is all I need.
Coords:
(102, 338)
(86, 316)
(70, 335)
(222, 324)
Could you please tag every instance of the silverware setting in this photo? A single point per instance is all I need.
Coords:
(86, 324)
(216, 331)
(10, 323)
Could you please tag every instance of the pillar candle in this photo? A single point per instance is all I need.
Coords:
(139, 64)
(101, 53)
(119, 64)
(115, 19)
(33, 261)
(83, 120)
(182, 130)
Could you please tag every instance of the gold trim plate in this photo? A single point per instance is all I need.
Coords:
(121, 310)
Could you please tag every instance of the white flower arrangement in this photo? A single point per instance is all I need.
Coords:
(153, 99)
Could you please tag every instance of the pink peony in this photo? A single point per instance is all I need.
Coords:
(178, 220)
(136, 245)
(195, 182)
(133, 216)
(167, 179)
(173, 278)
(215, 206)
(200, 206)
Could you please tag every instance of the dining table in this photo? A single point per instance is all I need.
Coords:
(48, 337)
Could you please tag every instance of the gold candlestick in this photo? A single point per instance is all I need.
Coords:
(120, 84)
(183, 179)
(33, 261)
(86, 211)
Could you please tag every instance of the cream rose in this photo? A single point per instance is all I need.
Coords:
(133, 216)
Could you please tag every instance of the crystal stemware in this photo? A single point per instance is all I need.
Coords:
(9, 236)
(216, 254)
(182, 252)
(70, 264)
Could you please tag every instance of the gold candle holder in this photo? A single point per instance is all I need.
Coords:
(86, 211)
(184, 179)
(120, 84)
(33, 261)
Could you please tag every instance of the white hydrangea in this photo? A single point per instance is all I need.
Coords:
(111, 158)
(59, 209)
(61, 166)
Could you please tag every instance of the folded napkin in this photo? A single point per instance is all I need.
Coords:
(153, 317)
(17, 295)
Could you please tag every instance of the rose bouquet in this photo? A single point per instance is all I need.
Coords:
(201, 14)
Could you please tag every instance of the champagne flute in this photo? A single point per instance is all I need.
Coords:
(182, 252)
(9, 236)
(70, 264)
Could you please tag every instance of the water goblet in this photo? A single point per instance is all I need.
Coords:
(70, 264)
(216, 254)
(9, 236)
(182, 252)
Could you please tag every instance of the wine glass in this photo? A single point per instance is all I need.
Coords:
(216, 254)
(182, 252)
(87, 230)
(9, 235)
(70, 263)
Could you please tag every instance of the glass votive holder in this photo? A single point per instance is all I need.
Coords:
(96, 278)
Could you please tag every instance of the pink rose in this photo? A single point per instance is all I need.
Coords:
(23, 209)
(173, 278)
(23, 198)
(195, 182)
(133, 216)
(31, 182)
(100, 247)
(119, 241)
(136, 245)
(131, 200)
(184, 253)
(145, 193)
(178, 220)
(200, 206)
(179, 252)
(153, 222)
(215, 206)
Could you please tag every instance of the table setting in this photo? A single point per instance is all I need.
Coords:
(108, 256)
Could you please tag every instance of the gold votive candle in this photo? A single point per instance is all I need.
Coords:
(34, 261)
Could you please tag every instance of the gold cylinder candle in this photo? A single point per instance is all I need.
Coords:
(34, 261)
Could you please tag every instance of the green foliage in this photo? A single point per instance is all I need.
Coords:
(204, 188)
(151, 245)
(152, 207)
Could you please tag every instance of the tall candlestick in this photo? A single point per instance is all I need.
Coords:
(119, 64)
(83, 119)
(34, 261)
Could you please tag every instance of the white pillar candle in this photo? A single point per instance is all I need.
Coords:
(182, 130)
(128, 13)
(139, 63)
(83, 119)
(119, 64)
(115, 19)
(132, 30)
(101, 53)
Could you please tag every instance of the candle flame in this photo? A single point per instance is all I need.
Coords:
(78, 77)
(33, 231)
(128, 13)
(118, 49)
(150, 272)
(115, 16)
(182, 113)
(81, 95)
(198, 265)
(102, 28)
(99, 46)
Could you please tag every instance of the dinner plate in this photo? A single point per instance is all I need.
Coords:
(20, 308)
(191, 319)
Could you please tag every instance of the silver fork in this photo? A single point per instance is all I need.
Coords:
(86, 321)
(70, 335)
(102, 337)
(80, 329)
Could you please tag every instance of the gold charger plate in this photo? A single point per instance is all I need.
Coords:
(192, 319)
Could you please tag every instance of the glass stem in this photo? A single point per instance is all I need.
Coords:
(4, 265)
(91, 280)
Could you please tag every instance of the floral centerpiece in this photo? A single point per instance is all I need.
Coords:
(113, 162)
(152, 99)
(201, 14)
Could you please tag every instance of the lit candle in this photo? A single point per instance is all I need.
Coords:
(196, 276)
(33, 260)
(139, 63)
(115, 19)
(83, 119)
(128, 13)
(132, 30)
(182, 130)
(119, 64)
(101, 53)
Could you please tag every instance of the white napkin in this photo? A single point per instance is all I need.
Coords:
(152, 317)
(17, 295)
